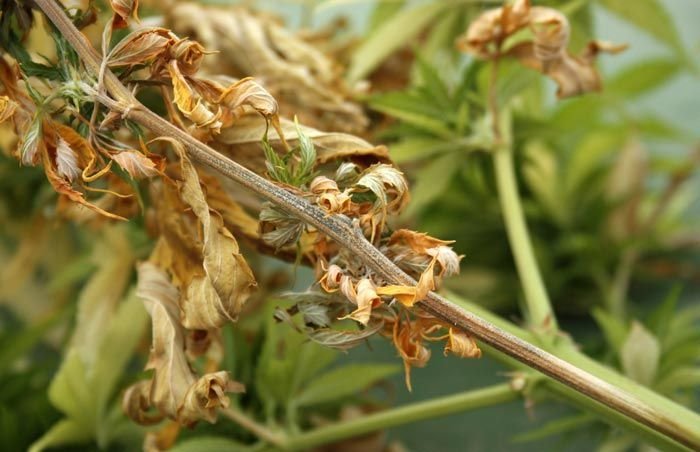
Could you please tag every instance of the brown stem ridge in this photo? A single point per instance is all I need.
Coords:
(340, 229)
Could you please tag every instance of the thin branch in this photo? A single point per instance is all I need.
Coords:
(258, 430)
(414, 412)
(340, 229)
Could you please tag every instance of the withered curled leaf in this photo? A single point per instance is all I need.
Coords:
(136, 164)
(175, 390)
(123, 10)
(7, 108)
(140, 47)
(462, 345)
(191, 104)
(213, 293)
(546, 52)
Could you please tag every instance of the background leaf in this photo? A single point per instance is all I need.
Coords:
(343, 382)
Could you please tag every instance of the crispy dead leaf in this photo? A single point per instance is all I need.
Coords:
(418, 241)
(136, 164)
(247, 92)
(365, 297)
(31, 144)
(63, 187)
(344, 339)
(191, 104)
(409, 343)
(242, 142)
(462, 345)
(136, 404)
(546, 52)
(85, 154)
(123, 10)
(410, 295)
(218, 295)
(447, 258)
(388, 185)
(330, 198)
(7, 108)
(140, 47)
(206, 396)
(66, 160)
(188, 55)
(175, 391)
(298, 75)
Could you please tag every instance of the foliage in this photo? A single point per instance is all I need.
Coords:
(132, 227)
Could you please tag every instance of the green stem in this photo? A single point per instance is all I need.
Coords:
(253, 426)
(414, 412)
(538, 305)
(688, 420)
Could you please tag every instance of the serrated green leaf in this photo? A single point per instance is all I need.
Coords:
(650, 16)
(643, 77)
(395, 32)
(413, 111)
(342, 382)
(416, 148)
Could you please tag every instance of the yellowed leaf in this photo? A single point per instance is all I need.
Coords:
(190, 104)
(7, 108)
(462, 345)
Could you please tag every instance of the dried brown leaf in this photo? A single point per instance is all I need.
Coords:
(242, 142)
(7, 108)
(136, 164)
(140, 47)
(546, 52)
(123, 10)
(175, 390)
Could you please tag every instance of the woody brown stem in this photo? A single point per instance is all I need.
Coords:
(341, 229)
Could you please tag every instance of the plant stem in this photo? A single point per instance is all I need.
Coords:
(568, 350)
(340, 229)
(252, 426)
(539, 308)
(414, 412)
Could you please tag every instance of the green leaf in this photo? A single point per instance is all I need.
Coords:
(383, 10)
(20, 343)
(660, 319)
(680, 378)
(343, 382)
(413, 111)
(614, 329)
(589, 154)
(642, 77)
(209, 444)
(650, 16)
(640, 354)
(63, 432)
(555, 427)
(433, 180)
(416, 148)
(399, 29)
